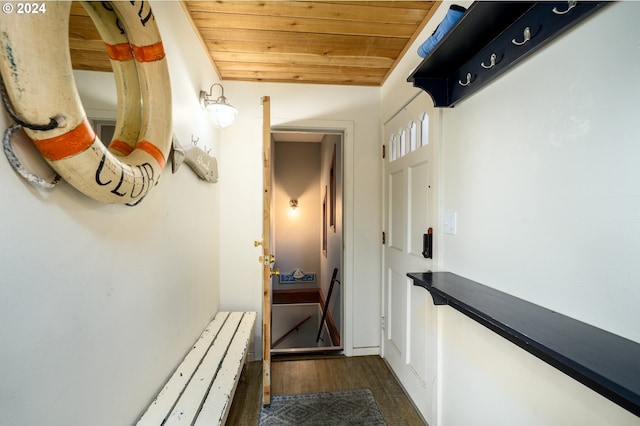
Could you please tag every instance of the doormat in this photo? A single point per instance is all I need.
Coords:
(355, 407)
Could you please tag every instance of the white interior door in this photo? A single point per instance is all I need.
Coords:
(409, 330)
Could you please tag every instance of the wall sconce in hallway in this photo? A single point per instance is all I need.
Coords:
(222, 112)
(293, 208)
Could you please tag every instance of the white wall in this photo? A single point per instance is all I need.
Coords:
(330, 144)
(487, 380)
(540, 167)
(357, 108)
(99, 303)
(543, 161)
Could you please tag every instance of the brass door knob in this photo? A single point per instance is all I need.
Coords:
(275, 272)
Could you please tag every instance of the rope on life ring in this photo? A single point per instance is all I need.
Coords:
(36, 68)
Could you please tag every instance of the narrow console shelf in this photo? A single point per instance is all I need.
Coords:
(607, 363)
(490, 38)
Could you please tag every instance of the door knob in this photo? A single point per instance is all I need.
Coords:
(275, 272)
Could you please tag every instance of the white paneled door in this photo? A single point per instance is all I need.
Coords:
(410, 321)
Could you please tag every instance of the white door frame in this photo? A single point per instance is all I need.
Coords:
(346, 128)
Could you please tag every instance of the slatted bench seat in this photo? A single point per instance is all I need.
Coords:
(201, 389)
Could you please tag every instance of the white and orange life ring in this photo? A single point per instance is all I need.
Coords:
(36, 69)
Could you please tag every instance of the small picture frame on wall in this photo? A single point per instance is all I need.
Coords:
(332, 192)
(324, 222)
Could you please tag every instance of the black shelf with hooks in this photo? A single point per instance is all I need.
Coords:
(489, 39)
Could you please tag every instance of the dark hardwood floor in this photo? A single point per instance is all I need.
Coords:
(323, 374)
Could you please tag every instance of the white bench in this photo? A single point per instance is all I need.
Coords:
(201, 389)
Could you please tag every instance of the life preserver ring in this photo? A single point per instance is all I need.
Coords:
(36, 68)
(125, 74)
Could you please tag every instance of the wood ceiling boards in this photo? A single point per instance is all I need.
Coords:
(319, 42)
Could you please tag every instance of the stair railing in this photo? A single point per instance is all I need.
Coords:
(326, 305)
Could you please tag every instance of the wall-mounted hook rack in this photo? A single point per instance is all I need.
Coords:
(204, 165)
(509, 30)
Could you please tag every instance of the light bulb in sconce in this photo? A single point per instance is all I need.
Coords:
(293, 208)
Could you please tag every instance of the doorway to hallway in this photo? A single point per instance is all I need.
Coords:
(307, 238)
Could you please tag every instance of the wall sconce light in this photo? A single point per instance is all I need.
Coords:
(221, 111)
(293, 203)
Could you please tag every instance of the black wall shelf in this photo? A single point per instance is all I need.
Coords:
(490, 38)
(607, 363)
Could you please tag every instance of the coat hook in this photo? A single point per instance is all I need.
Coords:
(465, 83)
(207, 149)
(570, 5)
(194, 141)
(492, 62)
(527, 37)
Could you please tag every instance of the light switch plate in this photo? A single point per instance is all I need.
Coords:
(449, 222)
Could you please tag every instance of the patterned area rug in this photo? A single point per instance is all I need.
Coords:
(318, 409)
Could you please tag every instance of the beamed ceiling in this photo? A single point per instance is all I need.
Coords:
(319, 42)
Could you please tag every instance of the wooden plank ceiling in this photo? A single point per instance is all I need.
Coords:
(317, 42)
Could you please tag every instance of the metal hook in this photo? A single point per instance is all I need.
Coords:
(570, 5)
(527, 37)
(194, 141)
(465, 83)
(207, 149)
(492, 62)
